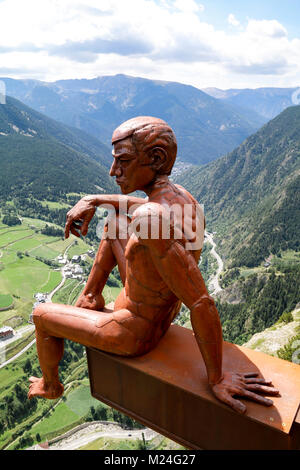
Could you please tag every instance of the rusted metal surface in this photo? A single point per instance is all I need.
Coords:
(167, 390)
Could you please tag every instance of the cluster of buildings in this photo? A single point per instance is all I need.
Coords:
(6, 332)
(40, 298)
(73, 271)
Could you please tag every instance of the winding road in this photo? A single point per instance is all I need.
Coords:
(84, 437)
(214, 282)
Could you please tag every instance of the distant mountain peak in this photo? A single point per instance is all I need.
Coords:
(206, 128)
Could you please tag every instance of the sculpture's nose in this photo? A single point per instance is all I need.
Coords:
(115, 169)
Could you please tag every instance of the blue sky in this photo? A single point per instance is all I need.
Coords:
(209, 43)
(287, 12)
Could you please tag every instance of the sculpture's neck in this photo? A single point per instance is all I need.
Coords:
(160, 182)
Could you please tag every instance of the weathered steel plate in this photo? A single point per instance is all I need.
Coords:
(167, 390)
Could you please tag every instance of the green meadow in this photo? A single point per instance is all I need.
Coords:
(69, 411)
(26, 276)
(5, 300)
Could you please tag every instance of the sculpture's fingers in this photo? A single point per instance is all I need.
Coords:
(67, 228)
(256, 397)
(237, 405)
(77, 223)
(263, 389)
(86, 221)
(258, 381)
(72, 229)
(250, 374)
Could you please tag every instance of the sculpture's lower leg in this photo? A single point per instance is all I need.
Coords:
(50, 351)
(55, 322)
(119, 332)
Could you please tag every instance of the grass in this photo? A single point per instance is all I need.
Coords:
(80, 400)
(111, 293)
(24, 277)
(25, 245)
(249, 271)
(62, 296)
(10, 374)
(54, 278)
(108, 443)
(105, 443)
(5, 300)
(18, 315)
(74, 294)
(13, 235)
(44, 251)
(55, 205)
(36, 223)
(17, 346)
(78, 249)
(68, 412)
(61, 416)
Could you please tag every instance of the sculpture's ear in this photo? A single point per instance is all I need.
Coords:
(158, 157)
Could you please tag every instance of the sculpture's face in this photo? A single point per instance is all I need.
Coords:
(130, 168)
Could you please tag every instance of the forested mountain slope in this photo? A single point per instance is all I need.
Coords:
(253, 192)
(43, 158)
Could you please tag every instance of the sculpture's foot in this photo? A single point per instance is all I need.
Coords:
(38, 388)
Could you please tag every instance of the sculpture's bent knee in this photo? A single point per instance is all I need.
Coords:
(38, 313)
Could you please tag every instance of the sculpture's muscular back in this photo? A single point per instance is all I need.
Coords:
(146, 293)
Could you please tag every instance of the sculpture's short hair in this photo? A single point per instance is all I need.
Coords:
(148, 133)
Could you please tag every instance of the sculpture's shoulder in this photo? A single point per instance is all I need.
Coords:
(149, 209)
(185, 194)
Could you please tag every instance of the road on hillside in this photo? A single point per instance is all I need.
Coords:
(214, 282)
(86, 436)
(17, 355)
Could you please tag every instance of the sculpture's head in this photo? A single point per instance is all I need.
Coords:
(144, 147)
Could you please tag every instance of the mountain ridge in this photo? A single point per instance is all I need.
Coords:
(99, 105)
(267, 102)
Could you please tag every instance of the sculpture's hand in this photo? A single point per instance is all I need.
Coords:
(79, 217)
(243, 385)
(90, 301)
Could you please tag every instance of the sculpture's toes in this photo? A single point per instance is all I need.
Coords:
(33, 379)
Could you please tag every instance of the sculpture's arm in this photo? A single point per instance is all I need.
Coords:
(79, 217)
(91, 297)
(179, 270)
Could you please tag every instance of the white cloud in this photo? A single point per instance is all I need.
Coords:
(188, 6)
(162, 39)
(232, 20)
(270, 28)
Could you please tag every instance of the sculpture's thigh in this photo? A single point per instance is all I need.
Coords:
(117, 332)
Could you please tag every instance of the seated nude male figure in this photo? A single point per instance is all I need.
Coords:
(158, 273)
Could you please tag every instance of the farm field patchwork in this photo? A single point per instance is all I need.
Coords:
(26, 276)
(5, 300)
(76, 405)
(10, 236)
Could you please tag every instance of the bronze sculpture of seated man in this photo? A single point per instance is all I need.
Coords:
(158, 272)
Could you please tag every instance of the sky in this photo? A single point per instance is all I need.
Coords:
(205, 43)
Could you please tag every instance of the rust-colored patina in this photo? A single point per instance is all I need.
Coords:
(156, 243)
(169, 393)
